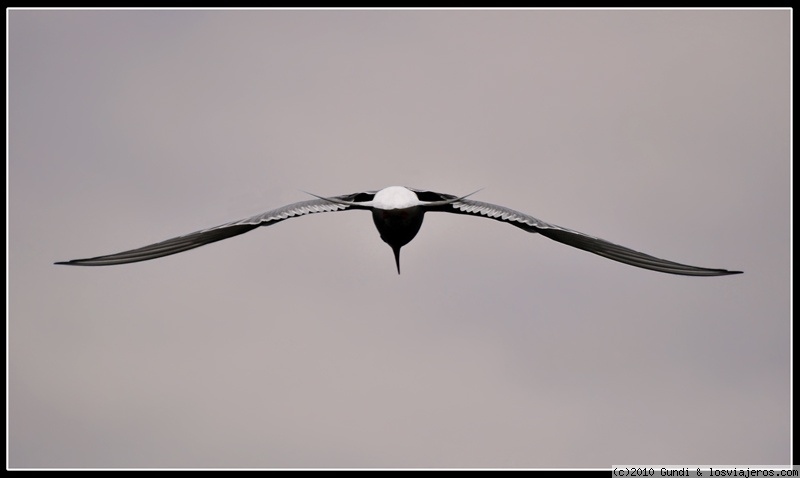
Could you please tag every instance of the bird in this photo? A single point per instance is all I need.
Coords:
(398, 212)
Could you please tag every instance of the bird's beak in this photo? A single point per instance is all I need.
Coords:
(397, 258)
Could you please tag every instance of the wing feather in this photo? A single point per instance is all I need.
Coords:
(214, 234)
(588, 243)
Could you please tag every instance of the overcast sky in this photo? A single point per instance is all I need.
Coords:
(298, 345)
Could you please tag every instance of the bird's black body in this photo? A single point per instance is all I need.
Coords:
(398, 227)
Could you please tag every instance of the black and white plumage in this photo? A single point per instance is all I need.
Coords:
(397, 213)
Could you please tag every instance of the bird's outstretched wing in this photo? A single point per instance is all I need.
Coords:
(214, 234)
(588, 243)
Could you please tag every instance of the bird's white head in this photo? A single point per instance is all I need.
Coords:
(395, 197)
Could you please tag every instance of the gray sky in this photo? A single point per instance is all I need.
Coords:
(298, 345)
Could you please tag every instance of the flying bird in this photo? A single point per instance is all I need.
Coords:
(397, 213)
